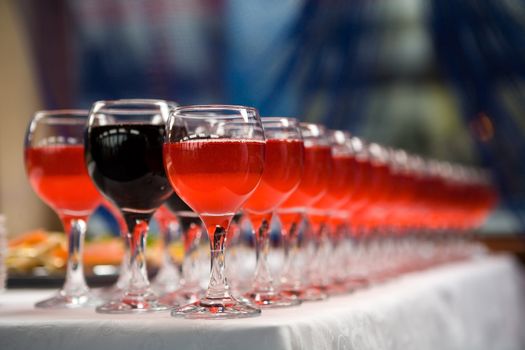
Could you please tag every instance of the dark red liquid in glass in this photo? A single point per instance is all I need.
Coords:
(125, 162)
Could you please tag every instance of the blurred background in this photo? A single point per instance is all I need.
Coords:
(440, 78)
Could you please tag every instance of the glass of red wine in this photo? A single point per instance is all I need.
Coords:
(54, 159)
(214, 157)
(283, 170)
(321, 212)
(124, 142)
(293, 212)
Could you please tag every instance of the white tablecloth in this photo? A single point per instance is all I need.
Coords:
(469, 305)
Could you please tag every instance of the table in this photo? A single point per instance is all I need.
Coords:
(477, 304)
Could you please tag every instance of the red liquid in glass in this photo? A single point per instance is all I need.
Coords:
(59, 177)
(283, 169)
(368, 193)
(214, 177)
(314, 182)
(341, 184)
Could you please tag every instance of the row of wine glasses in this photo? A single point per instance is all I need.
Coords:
(346, 206)
(401, 214)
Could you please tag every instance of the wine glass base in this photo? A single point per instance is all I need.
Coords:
(216, 309)
(113, 292)
(166, 281)
(336, 289)
(133, 303)
(64, 301)
(353, 284)
(307, 294)
(180, 297)
(268, 300)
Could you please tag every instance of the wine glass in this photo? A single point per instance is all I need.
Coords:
(189, 227)
(54, 159)
(356, 275)
(115, 290)
(168, 277)
(124, 158)
(292, 213)
(214, 158)
(283, 170)
(323, 213)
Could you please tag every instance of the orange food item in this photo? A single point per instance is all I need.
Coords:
(106, 252)
(29, 238)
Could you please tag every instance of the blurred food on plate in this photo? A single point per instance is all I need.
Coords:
(46, 252)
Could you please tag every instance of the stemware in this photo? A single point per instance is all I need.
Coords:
(124, 158)
(115, 290)
(189, 227)
(54, 159)
(292, 213)
(323, 213)
(168, 277)
(214, 158)
(283, 170)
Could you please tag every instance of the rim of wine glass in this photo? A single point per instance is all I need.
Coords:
(61, 112)
(273, 119)
(339, 137)
(399, 161)
(280, 126)
(319, 135)
(340, 142)
(359, 146)
(61, 116)
(198, 108)
(134, 101)
(322, 129)
(378, 154)
(108, 106)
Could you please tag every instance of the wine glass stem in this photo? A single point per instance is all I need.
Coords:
(169, 236)
(263, 281)
(123, 277)
(291, 276)
(170, 233)
(192, 236)
(218, 287)
(75, 282)
(317, 271)
(137, 240)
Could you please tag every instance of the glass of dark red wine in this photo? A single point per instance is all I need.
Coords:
(283, 170)
(214, 157)
(54, 159)
(124, 142)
